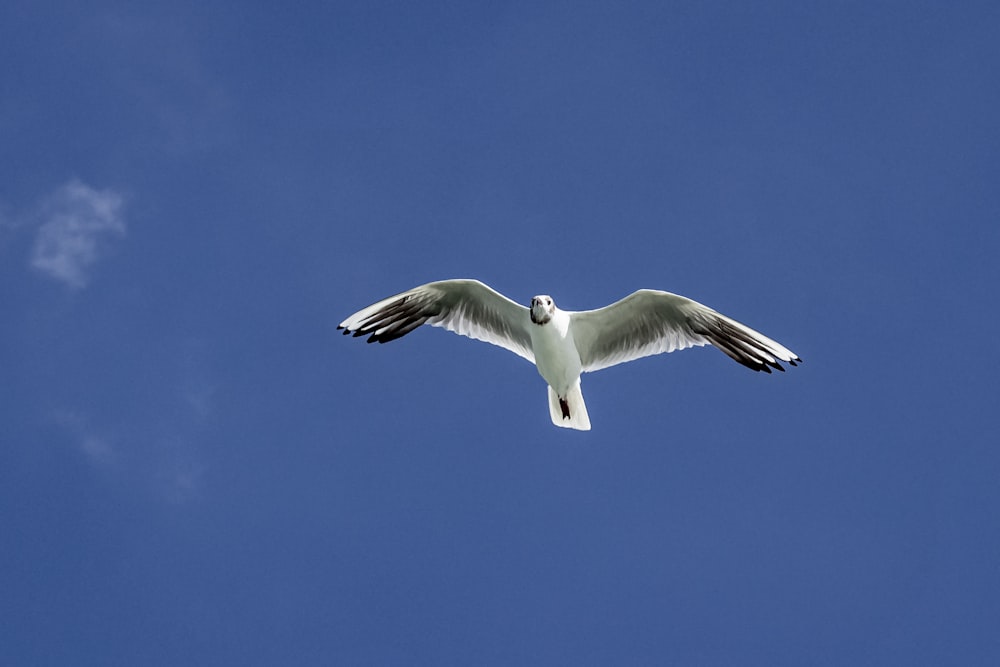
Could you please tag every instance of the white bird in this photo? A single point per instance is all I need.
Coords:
(563, 343)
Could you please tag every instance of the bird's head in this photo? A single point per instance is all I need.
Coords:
(542, 308)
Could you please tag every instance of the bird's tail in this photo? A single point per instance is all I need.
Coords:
(569, 411)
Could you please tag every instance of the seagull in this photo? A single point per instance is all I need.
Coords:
(564, 343)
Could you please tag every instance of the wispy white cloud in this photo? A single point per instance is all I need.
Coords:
(179, 471)
(78, 223)
(96, 447)
(196, 387)
(163, 77)
(163, 459)
(162, 453)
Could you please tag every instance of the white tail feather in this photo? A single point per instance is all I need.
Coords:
(578, 417)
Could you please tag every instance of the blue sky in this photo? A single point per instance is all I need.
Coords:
(196, 469)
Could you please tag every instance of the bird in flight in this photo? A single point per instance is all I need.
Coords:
(564, 343)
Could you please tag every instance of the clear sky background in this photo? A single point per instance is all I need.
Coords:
(196, 469)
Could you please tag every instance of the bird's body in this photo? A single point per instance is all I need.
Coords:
(558, 362)
(563, 344)
(556, 356)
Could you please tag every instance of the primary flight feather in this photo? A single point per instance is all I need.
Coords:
(564, 343)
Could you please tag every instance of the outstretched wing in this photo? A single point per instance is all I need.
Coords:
(467, 307)
(651, 322)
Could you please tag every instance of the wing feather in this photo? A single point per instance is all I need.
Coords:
(466, 307)
(651, 322)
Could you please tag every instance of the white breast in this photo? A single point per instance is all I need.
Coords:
(555, 352)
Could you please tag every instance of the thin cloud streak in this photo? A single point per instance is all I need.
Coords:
(165, 460)
(163, 455)
(78, 223)
(97, 448)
